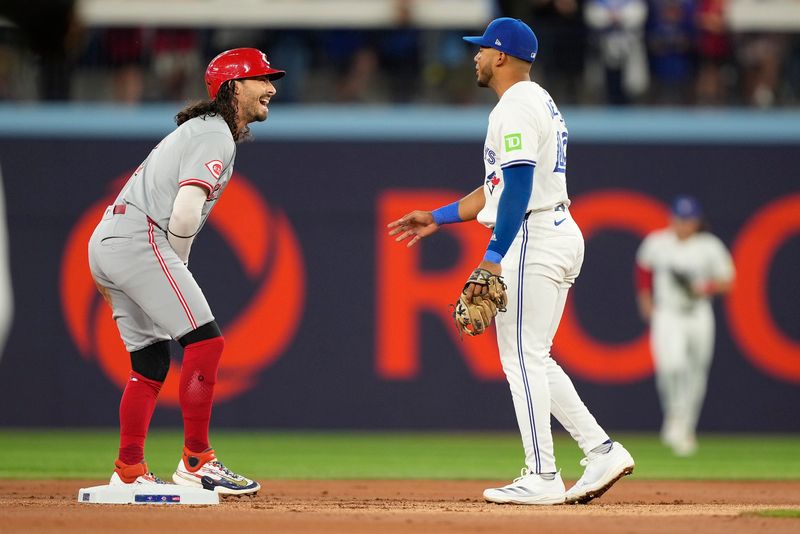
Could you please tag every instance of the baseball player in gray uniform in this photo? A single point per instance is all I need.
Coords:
(538, 248)
(139, 253)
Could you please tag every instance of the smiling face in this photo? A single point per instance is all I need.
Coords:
(484, 60)
(252, 97)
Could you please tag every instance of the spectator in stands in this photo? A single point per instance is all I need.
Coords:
(670, 43)
(399, 55)
(445, 59)
(352, 60)
(126, 55)
(53, 38)
(176, 62)
(293, 49)
(761, 58)
(562, 42)
(617, 34)
(713, 52)
(793, 74)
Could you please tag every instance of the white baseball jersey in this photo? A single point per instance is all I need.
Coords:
(200, 152)
(525, 127)
(540, 266)
(698, 259)
(682, 325)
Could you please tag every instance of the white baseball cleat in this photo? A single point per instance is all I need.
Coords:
(602, 471)
(204, 470)
(684, 446)
(670, 431)
(528, 488)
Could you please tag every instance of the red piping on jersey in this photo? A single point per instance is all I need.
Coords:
(644, 278)
(152, 240)
(201, 183)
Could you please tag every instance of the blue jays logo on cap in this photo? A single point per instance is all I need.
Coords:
(511, 36)
(686, 207)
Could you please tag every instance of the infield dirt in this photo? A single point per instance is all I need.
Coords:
(387, 506)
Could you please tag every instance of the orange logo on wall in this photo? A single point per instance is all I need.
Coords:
(265, 244)
(406, 291)
(751, 318)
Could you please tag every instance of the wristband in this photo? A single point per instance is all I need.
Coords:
(446, 214)
(492, 256)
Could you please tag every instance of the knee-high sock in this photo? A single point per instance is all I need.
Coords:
(135, 411)
(198, 376)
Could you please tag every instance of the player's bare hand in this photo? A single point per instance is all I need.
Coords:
(413, 226)
(475, 289)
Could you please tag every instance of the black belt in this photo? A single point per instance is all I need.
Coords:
(557, 207)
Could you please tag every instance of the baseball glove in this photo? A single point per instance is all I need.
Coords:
(474, 314)
(684, 282)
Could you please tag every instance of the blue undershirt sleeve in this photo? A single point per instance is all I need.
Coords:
(510, 210)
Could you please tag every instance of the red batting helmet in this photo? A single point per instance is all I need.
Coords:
(236, 64)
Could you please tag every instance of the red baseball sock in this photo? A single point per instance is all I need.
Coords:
(135, 411)
(198, 376)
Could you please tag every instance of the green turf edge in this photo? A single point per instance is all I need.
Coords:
(789, 513)
(316, 455)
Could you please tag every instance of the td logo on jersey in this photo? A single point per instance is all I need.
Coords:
(270, 257)
(513, 142)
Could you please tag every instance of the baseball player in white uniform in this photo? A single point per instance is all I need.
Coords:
(678, 271)
(139, 254)
(538, 248)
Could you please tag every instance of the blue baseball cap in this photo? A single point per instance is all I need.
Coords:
(686, 207)
(511, 36)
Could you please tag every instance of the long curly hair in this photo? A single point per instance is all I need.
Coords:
(223, 105)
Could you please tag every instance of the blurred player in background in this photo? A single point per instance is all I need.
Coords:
(538, 248)
(6, 288)
(139, 256)
(678, 270)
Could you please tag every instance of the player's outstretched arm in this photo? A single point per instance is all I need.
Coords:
(419, 224)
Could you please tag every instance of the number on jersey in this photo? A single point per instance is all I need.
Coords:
(561, 152)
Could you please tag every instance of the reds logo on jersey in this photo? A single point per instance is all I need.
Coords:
(492, 181)
(215, 168)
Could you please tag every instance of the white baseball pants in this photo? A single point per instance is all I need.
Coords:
(542, 264)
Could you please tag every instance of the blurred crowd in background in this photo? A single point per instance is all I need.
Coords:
(592, 52)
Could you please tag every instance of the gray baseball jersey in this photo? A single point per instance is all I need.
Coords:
(153, 295)
(199, 152)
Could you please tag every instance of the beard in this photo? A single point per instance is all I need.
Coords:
(259, 114)
(484, 78)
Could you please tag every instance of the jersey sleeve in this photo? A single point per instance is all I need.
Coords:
(518, 136)
(205, 159)
(644, 255)
(721, 267)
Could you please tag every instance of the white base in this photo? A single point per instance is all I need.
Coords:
(147, 494)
